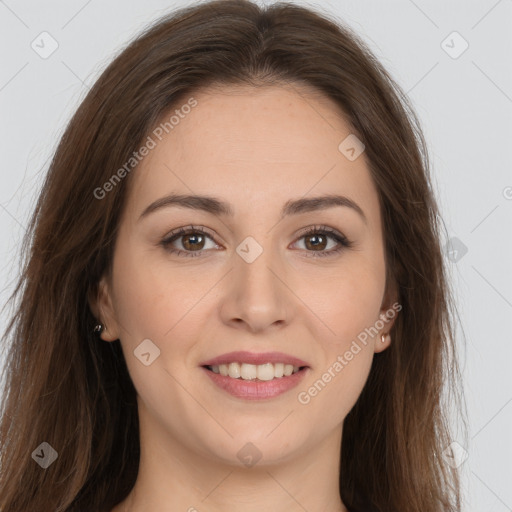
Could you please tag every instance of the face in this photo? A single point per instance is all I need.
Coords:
(306, 283)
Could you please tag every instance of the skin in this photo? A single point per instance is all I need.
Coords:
(255, 148)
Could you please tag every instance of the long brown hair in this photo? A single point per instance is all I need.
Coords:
(65, 388)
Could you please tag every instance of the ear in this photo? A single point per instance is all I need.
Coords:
(101, 304)
(388, 313)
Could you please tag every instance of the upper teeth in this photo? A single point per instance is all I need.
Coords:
(247, 371)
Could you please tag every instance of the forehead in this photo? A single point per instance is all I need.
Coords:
(253, 146)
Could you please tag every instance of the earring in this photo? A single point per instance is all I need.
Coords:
(98, 329)
(385, 337)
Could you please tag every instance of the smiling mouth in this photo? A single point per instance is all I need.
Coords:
(251, 372)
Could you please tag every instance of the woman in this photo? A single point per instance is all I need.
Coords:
(234, 296)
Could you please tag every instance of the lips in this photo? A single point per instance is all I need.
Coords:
(234, 373)
(256, 389)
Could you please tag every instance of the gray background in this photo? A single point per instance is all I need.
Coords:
(464, 103)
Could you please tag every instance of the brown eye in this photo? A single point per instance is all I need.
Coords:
(188, 242)
(193, 242)
(316, 242)
(323, 241)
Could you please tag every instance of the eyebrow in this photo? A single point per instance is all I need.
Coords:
(219, 207)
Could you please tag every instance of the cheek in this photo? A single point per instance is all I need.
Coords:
(154, 302)
(151, 297)
(349, 298)
(350, 308)
(335, 388)
(354, 297)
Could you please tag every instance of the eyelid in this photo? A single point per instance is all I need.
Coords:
(320, 228)
(184, 230)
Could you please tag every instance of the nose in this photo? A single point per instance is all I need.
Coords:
(256, 298)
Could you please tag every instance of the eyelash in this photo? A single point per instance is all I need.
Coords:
(343, 242)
